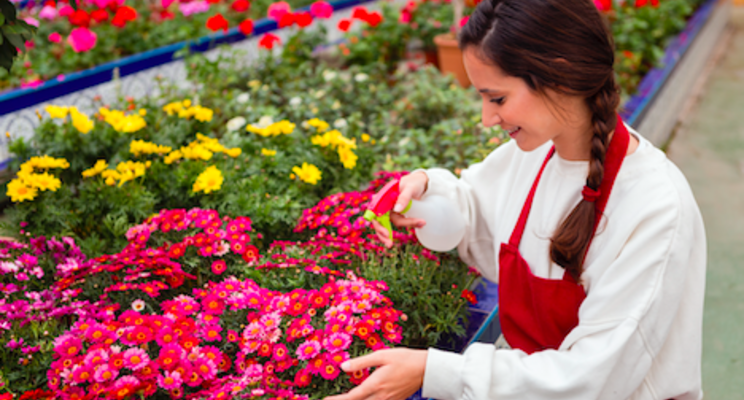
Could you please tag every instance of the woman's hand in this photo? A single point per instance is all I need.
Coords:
(399, 374)
(411, 186)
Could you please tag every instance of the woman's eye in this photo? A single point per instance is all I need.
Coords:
(498, 100)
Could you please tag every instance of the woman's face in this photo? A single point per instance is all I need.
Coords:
(528, 117)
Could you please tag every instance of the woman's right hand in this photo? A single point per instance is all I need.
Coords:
(411, 186)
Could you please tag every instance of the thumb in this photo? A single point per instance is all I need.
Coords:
(370, 360)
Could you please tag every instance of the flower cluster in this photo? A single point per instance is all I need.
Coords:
(140, 147)
(362, 14)
(272, 129)
(343, 145)
(122, 122)
(80, 121)
(203, 148)
(184, 109)
(125, 171)
(29, 182)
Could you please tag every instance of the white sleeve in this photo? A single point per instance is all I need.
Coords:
(623, 322)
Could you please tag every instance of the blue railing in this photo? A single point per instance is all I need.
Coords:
(19, 99)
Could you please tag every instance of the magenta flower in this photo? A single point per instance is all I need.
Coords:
(82, 39)
(15, 344)
(135, 358)
(105, 373)
(278, 9)
(166, 3)
(336, 342)
(81, 374)
(308, 350)
(206, 368)
(321, 9)
(218, 267)
(280, 352)
(32, 21)
(170, 380)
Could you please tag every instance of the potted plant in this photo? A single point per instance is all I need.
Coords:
(449, 54)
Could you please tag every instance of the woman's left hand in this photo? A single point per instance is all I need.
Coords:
(399, 374)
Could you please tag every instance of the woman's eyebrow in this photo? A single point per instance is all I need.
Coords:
(489, 91)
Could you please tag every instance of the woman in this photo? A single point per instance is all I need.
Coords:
(592, 233)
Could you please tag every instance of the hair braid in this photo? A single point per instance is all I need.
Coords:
(572, 238)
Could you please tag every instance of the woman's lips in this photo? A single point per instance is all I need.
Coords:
(514, 133)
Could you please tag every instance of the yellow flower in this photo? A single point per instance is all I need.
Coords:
(57, 111)
(121, 122)
(96, 169)
(234, 152)
(319, 125)
(45, 162)
(44, 182)
(254, 84)
(173, 157)
(18, 191)
(80, 121)
(173, 108)
(209, 181)
(125, 171)
(275, 129)
(210, 144)
(268, 152)
(365, 137)
(196, 152)
(347, 157)
(186, 103)
(139, 147)
(200, 113)
(308, 173)
(142, 112)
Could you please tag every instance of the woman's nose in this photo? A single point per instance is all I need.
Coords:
(489, 117)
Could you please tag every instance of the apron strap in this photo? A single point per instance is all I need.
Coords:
(516, 236)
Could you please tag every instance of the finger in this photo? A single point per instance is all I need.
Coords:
(358, 393)
(401, 221)
(382, 234)
(368, 361)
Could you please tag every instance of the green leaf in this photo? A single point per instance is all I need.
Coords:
(15, 39)
(2, 19)
(8, 10)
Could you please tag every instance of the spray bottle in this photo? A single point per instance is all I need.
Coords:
(445, 226)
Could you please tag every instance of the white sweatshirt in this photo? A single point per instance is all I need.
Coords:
(640, 326)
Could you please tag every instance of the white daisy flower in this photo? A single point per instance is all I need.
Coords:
(235, 124)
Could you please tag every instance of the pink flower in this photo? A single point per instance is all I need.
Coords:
(278, 9)
(280, 352)
(135, 358)
(321, 9)
(308, 350)
(464, 20)
(48, 12)
(166, 3)
(336, 342)
(66, 11)
(32, 21)
(193, 7)
(81, 374)
(170, 380)
(82, 39)
(105, 373)
(218, 267)
(206, 368)
(329, 371)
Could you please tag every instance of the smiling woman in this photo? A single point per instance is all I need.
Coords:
(592, 234)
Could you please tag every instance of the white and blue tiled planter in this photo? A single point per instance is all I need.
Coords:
(136, 75)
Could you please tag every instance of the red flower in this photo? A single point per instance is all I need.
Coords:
(79, 18)
(603, 5)
(123, 15)
(374, 19)
(360, 13)
(217, 22)
(99, 15)
(641, 3)
(303, 19)
(267, 42)
(344, 25)
(357, 377)
(287, 19)
(241, 5)
(469, 296)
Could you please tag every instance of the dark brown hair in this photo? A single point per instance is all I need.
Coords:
(565, 46)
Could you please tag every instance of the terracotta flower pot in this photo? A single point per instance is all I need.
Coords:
(450, 58)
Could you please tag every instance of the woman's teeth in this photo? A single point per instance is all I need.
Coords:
(512, 132)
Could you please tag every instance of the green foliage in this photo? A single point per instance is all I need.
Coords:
(13, 35)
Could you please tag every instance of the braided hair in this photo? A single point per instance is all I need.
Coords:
(567, 47)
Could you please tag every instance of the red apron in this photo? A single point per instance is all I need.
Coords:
(537, 313)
